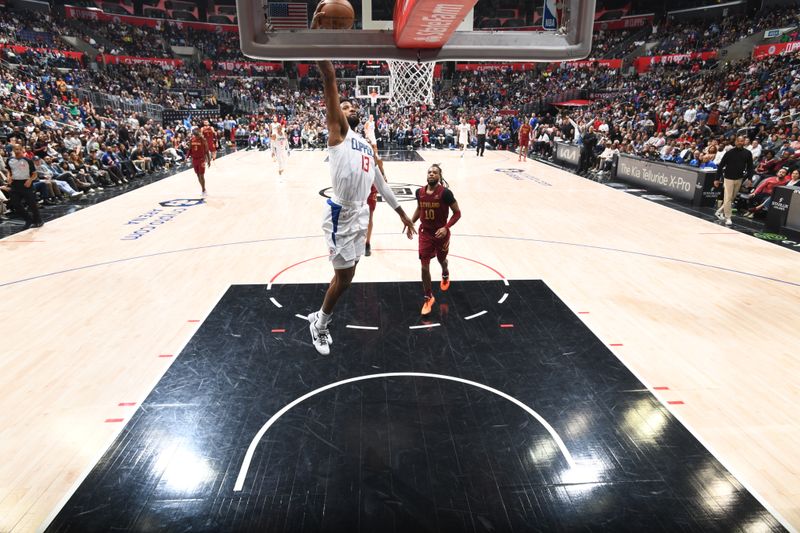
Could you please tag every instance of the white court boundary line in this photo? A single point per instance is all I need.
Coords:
(423, 326)
(276, 302)
(370, 328)
(476, 315)
(82, 477)
(681, 419)
(248, 457)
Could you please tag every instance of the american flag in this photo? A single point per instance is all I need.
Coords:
(287, 15)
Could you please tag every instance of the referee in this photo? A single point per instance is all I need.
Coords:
(23, 173)
(481, 131)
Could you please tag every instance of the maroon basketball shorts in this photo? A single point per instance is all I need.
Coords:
(372, 199)
(430, 246)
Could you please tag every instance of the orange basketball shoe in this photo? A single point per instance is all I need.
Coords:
(427, 307)
(445, 283)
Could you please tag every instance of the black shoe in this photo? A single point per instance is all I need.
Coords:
(38, 224)
(368, 250)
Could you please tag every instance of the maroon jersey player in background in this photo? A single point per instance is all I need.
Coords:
(372, 199)
(198, 150)
(211, 138)
(434, 203)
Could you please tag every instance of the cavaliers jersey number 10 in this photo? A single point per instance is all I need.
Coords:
(434, 207)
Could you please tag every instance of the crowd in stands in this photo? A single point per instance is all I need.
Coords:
(700, 36)
(222, 46)
(686, 118)
(132, 40)
(27, 28)
(685, 113)
(608, 44)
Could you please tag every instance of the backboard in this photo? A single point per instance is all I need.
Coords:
(378, 87)
(422, 30)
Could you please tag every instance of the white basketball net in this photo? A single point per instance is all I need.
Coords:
(411, 82)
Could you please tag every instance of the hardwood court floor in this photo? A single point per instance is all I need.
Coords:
(96, 302)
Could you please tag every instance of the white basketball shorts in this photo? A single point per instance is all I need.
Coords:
(345, 228)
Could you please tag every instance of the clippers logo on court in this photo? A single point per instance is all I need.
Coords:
(404, 192)
(181, 202)
(150, 221)
(519, 175)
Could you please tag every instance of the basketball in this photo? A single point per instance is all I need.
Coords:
(339, 15)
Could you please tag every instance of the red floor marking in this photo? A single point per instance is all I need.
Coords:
(10, 242)
(111, 420)
(675, 402)
(615, 345)
(278, 331)
(193, 321)
(583, 312)
(165, 355)
(660, 388)
(294, 265)
(126, 404)
(506, 325)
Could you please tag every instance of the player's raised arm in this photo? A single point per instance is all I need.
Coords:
(337, 122)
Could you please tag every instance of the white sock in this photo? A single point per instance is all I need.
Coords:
(323, 319)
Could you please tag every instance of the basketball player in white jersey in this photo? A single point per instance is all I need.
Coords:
(273, 136)
(463, 135)
(353, 170)
(281, 144)
(369, 132)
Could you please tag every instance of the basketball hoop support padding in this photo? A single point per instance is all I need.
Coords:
(428, 23)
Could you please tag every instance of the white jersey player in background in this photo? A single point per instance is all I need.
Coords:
(353, 171)
(369, 132)
(281, 144)
(463, 135)
(273, 136)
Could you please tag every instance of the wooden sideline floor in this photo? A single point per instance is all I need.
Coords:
(703, 315)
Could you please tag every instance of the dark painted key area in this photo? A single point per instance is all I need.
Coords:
(405, 453)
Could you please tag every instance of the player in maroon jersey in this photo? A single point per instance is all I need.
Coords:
(372, 202)
(524, 140)
(434, 203)
(211, 138)
(198, 151)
